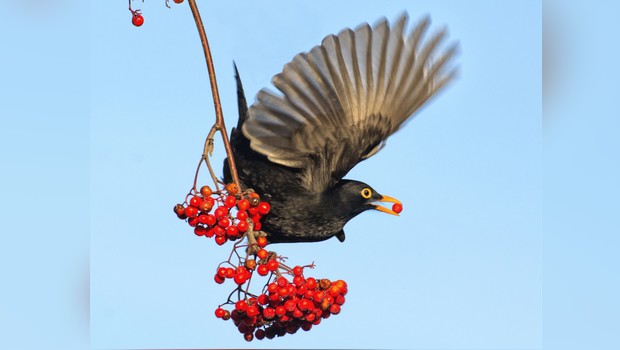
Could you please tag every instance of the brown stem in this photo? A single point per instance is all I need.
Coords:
(219, 116)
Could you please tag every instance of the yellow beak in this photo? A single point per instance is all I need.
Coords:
(384, 209)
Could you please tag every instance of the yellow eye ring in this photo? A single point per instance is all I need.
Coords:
(366, 193)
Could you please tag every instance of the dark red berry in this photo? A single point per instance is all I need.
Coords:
(179, 209)
(260, 334)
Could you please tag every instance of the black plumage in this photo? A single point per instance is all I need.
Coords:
(339, 102)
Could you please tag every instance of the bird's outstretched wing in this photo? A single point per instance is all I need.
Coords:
(340, 101)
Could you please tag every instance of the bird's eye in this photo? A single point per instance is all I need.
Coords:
(366, 193)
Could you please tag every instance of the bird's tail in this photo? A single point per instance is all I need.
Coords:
(241, 102)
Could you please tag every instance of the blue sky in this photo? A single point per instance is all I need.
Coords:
(121, 115)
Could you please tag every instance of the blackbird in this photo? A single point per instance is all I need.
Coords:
(337, 105)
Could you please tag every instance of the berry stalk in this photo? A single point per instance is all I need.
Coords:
(219, 116)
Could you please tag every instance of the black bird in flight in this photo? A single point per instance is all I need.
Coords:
(337, 105)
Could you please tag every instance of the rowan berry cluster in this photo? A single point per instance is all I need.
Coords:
(222, 215)
(285, 306)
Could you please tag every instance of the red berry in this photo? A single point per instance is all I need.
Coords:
(257, 226)
(230, 202)
(240, 279)
(210, 233)
(223, 222)
(191, 212)
(281, 281)
(178, 1)
(272, 265)
(263, 299)
(256, 218)
(218, 279)
(311, 283)
(242, 226)
(272, 287)
(290, 305)
(243, 205)
(262, 254)
(299, 281)
(280, 310)
(200, 230)
(334, 309)
(242, 215)
(253, 211)
(218, 231)
(241, 305)
(195, 201)
(137, 19)
(397, 208)
(263, 270)
(297, 313)
(219, 312)
(220, 212)
(253, 311)
(209, 219)
(263, 208)
(261, 241)
(298, 270)
(206, 205)
(232, 231)
(193, 222)
(202, 218)
(230, 272)
(221, 271)
(248, 336)
(220, 240)
(179, 209)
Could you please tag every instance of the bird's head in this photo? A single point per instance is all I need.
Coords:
(356, 197)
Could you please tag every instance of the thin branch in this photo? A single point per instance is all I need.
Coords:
(219, 116)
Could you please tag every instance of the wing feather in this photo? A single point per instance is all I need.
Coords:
(339, 102)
